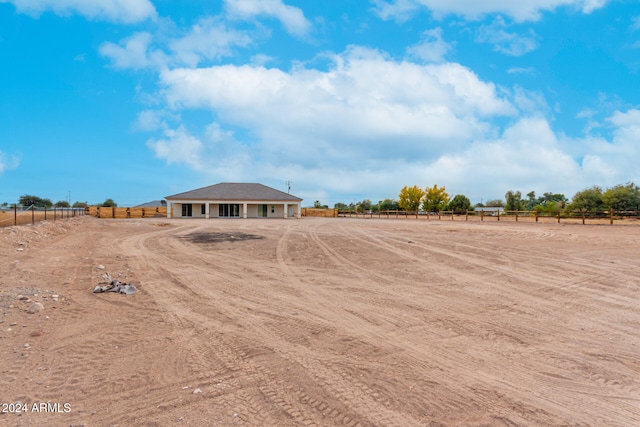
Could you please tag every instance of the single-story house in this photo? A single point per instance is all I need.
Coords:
(233, 200)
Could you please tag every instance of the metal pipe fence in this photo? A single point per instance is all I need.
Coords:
(21, 215)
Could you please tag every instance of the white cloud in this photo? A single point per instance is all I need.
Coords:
(509, 43)
(526, 157)
(8, 162)
(178, 146)
(520, 10)
(432, 48)
(521, 70)
(127, 11)
(351, 111)
(134, 52)
(208, 39)
(292, 18)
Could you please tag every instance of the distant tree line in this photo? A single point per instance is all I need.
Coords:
(433, 199)
(43, 203)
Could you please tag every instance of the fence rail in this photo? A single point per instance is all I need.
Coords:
(20, 215)
(532, 216)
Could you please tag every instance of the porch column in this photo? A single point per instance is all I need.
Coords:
(286, 210)
(244, 210)
(169, 208)
(206, 210)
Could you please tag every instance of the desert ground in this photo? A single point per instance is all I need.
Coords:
(320, 321)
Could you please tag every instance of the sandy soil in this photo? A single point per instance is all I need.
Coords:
(320, 322)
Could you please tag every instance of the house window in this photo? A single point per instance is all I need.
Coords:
(203, 209)
(187, 209)
(229, 210)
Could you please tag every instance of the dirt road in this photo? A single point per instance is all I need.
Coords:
(320, 322)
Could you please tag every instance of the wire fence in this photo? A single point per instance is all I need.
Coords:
(594, 217)
(21, 215)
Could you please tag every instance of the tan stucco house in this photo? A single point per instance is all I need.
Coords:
(233, 200)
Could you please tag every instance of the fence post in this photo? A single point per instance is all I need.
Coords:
(498, 214)
(583, 209)
(536, 215)
(54, 214)
(45, 213)
(516, 215)
(33, 215)
(482, 216)
(558, 216)
(15, 214)
(451, 215)
(611, 216)
(438, 215)
(466, 215)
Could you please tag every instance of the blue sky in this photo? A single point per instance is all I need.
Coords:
(139, 99)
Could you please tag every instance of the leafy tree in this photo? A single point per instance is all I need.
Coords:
(79, 205)
(61, 204)
(364, 205)
(389, 205)
(109, 203)
(531, 201)
(559, 199)
(589, 199)
(435, 199)
(410, 198)
(459, 203)
(496, 203)
(340, 206)
(318, 205)
(28, 200)
(514, 201)
(622, 197)
(548, 207)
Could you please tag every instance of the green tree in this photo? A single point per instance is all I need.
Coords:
(80, 205)
(589, 199)
(459, 203)
(364, 205)
(389, 205)
(318, 205)
(29, 200)
(341, 206)
(531, 201)
(622, 197)
(495, 203)
(109, 203)
(410, 198)
(435, 199)
(514, 201)
(61, 204)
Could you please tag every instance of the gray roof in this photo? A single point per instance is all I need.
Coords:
(236, 191)
(153, 204)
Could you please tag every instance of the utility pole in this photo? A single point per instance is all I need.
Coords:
(288, 186)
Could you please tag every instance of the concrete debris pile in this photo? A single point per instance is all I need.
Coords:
(114, 285)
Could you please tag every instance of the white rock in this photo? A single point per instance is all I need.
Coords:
(197, 391)
(35, 308)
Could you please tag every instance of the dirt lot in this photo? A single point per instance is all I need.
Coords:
(320, 322)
